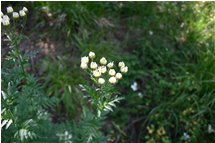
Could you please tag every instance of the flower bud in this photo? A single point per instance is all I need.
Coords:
(121, 64)
(9, 9)
(5, 17)
(110, 65)
(15, 15)
(22, 13)
(83, 66)
(93, 65)
(101, 81)
(103, 69)
(85, 59)
(124, 69)
(96, 73)
(25, 9)
(112, 72)
(112, 80)
(92, 55)
(103, 61)
(118, 75)
(5, 22)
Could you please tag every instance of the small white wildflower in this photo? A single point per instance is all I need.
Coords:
(96, 73)
(83, 66)
(112, 80)
(210, 129)
(140, 94)
(92, 55)
(134, 86)
(121, 64)
(5, 17)
(182, 25)
(186, 136)
(2, 14)
(22, 13)
(5, 22)
(104, 69)
(110, 65)
(103, 61)
(15, 15)
(101, 81)
(118, 75)
(112, 72)
(151, 33)
(9, 9)
(85, 59)
(124, 69)
(93, 65)
(25, 9)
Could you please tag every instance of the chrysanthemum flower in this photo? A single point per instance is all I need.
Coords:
(22, 13)
(118, 76)
(96, 73)
(92, 55)
(112, 80)
(85, 59)
(84, 66)
(110, 65)
(103, 61)
(9, 9)
(112, 72)
(101, 81)
(93, 65)
(15, 15)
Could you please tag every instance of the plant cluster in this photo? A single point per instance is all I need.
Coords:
(25, 115)
(103, 96)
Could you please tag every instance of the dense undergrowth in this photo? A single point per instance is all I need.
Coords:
(169, 91)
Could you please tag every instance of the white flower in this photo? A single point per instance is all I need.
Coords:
(151, 33)
(124, 69)
(85, 59)
(83, 66)
(103, 69)
(140, 94)
(96, 73)
(101, 81)
(112, 80)
(93, 65)
(118, 75)
(121, 64)
(103, 61)
(5, 17)
(15, 15)
(182, 25)
(92, 55)
(22, 13)
(110, 65)
(9, 9)
(210, 129)
(25, 9)
(134, 86)
(186, 136)
(112, 72)
(2, 13)
(5, 22)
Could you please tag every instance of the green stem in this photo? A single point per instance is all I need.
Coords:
(21, 62)
(20, 59)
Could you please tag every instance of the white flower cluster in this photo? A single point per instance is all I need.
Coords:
(103, 70)
(6, 20)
